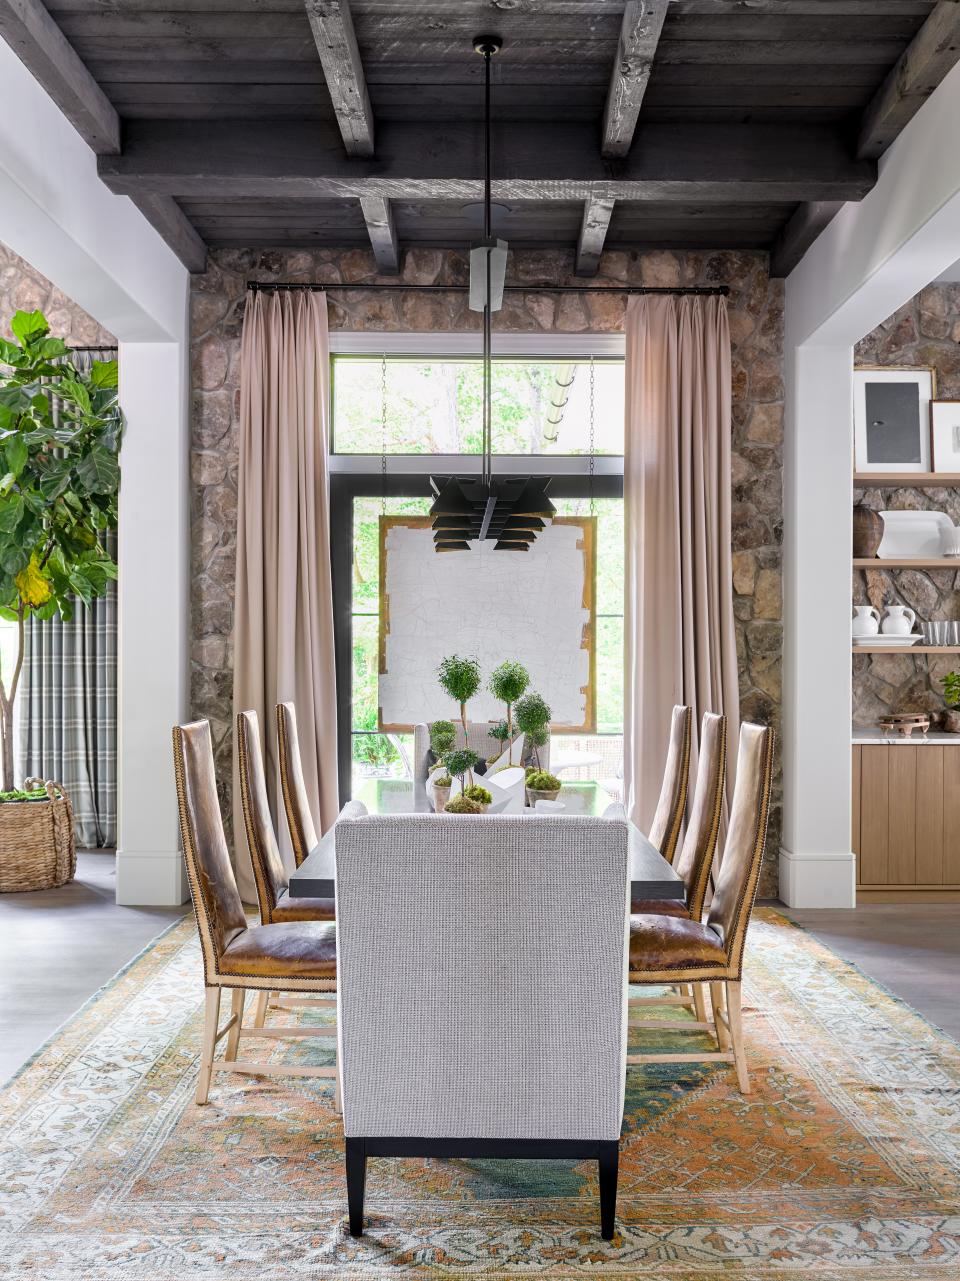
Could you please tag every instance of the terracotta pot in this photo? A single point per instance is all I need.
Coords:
(867, 532)
(534, 795)
(951, 720)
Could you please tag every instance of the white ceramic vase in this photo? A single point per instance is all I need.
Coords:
(898, 620)
(866, 620)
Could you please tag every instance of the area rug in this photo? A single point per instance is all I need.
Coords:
(843, 1163)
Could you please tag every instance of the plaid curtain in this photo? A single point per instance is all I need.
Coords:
(68, 701)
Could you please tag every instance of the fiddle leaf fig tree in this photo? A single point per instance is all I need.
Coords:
(60, 433)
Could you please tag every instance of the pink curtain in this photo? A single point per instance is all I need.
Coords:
(283, 621)
(679, 637)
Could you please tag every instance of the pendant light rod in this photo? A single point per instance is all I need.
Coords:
(487, 46)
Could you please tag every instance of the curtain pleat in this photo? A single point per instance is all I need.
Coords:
(680, 644)
(68, 701)
(283, 622)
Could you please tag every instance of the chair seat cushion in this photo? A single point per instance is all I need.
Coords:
(658, 907)
(672, 943)
(304, 909)
(291, 949)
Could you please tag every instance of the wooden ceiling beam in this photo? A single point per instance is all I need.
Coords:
(378, 216)
(597, 213)
(931, 54)
(41, 46)
(332, 27)
(801, 230)
(639, 36)
(692, 164)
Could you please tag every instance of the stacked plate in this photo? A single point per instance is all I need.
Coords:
(887, 642)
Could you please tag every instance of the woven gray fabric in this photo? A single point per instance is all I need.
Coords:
(478, 740)
(482, 975)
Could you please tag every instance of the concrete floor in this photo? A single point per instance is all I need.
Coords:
(912, 950)
(57, 947)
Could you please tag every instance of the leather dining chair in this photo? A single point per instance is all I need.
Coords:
(695, 859)
(298, 956)
(673, 950)
(296, 802)
(668, 818)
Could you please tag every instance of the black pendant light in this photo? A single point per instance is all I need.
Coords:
(510, 511)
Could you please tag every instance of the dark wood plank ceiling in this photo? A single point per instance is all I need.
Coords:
(718, 62)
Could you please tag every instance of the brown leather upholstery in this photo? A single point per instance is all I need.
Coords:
(298, 950)
(216, 900)
(668, 942)
(695, 859)
(658, 907)
(296, 804)
(303, 909)
(668, 818)
(715, 949)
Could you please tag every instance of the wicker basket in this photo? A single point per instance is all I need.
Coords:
(38, 849)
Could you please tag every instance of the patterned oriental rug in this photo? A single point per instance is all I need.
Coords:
(843, 1164)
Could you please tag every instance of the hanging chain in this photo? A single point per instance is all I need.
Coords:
(593, 429)
(383, 434)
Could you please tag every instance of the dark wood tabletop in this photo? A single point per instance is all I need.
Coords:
(651, 876)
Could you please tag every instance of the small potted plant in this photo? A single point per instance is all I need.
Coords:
(460, 678)
(533, 718)
(460, 765)
(951, 696)
(463, 805)
(542, 786)
(441, 782)
(479, 794)
(443, 739)
(499, 733)
(508, 682)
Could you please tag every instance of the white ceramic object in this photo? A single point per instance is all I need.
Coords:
(888, 642)
(950, 541)
(866, 621)
(909, 535)
(549, 807)
(508, 788)
(898, 620)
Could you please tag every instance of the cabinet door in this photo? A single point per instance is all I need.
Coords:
(930, 801)
(874, 815)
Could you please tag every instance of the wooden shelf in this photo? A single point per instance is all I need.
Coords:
(915, 562)
(906, 649)
(920, 479)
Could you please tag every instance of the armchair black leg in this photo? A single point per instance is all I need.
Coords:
(356, 1177)
(608, 1160)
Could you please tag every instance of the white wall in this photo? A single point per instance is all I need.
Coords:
(97, 248)
(867, 263)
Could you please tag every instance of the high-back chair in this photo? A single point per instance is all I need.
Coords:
(477, 739)
(296, 803)
(295, 956)
(668, 818)
(482, 989)
(671, 950)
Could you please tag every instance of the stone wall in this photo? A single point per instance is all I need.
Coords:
(23, 288)
(756, 323)
(925, 333)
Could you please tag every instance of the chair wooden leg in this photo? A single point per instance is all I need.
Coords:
(736, 1036)
(237, 998)
(260, 1013)
(699, 1004)
(356, 1177)
(608, 1161)
(716, 1000)
(210, 1021)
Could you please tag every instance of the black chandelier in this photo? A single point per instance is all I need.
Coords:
(509, 510)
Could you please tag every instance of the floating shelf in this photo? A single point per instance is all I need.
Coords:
(906, 649)
(915, 562)
(920, 479)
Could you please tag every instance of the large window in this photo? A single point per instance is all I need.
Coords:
(426, 406)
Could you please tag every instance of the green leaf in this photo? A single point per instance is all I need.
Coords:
(51, 347)
(105, 373)
(99, 471)
(16, 453)
(28, 326)
(9, 614)
(54, 482)
(11, 509)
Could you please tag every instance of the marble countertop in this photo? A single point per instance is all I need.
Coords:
(873, 734)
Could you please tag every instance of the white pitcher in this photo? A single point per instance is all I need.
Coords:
(866, 621)
(898, 620)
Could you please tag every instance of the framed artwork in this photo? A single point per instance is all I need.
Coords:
(945, 428)
(891, 419)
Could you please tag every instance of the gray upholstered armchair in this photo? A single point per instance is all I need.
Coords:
(477, 739)
(482, 981)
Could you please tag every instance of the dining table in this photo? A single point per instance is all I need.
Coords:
(651, 876)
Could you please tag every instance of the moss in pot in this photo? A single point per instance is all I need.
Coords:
(442, 782)
(951, 696)
(542, 786)
(479, 794)
(463, 805)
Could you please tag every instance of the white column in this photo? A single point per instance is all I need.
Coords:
(153, 616)
(817, 867)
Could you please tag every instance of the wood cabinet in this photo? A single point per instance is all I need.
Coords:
(906, 819)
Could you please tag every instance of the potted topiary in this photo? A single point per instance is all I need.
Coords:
(499, 733)
(951, 696)
(60, 432)
(533, 718)
(463, 805)
(460, 765)
(479, 794)
(460, 678)
(441, 783)
(542, 786)
(507, 683)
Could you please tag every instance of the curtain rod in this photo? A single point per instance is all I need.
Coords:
(260, 286)
(97, 347)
